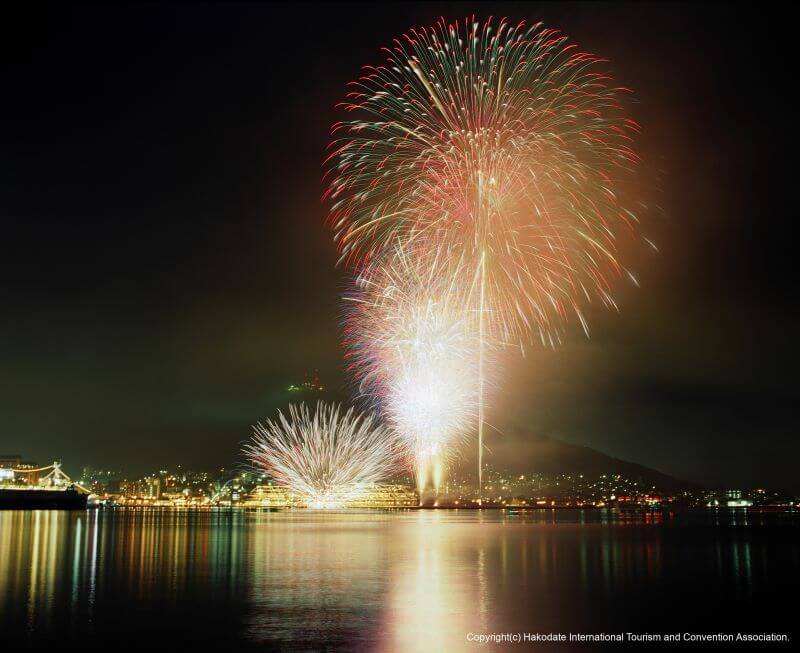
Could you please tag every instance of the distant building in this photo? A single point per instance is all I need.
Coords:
(639, 500)
(130, 488)
(26, 471)
(153, 487)
(310, 384)
(9, 461)
(269, 496)
(728, 499)
(387, 496)
(101, 481)
(734, 499)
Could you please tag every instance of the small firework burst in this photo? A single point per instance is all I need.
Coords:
(327, 457)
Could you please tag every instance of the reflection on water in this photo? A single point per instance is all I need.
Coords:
(65, 568)
(313, 576)
(384, 581)
(438, 588)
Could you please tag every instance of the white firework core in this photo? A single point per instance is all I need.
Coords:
(411, 344)
(327, 457)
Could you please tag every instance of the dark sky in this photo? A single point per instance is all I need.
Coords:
(166, 273)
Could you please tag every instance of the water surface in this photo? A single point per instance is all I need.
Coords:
(387, 581)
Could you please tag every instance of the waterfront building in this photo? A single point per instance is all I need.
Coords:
(387, 496)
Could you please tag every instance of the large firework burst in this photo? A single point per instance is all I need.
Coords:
(505, 147)
(327, 457)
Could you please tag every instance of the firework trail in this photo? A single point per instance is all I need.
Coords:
(326, 457)
(412, 347)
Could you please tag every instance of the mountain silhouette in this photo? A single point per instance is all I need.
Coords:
(535, 453)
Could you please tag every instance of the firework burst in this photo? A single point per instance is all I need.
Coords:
(327, 457)
(413, 348)
(502, 145)
(503, 151)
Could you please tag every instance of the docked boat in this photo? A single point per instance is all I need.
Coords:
(37, 498)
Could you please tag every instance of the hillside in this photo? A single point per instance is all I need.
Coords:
(540, 454)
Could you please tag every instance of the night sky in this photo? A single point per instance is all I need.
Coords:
(166, 272)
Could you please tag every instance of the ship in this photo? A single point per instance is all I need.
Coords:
(55, 491)
(36, 498)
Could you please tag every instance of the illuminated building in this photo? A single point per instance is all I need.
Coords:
(382, 496)
(311, 384)
(153, 487)
(15, 462)
(387, 496)
(643, 500)
(269, 496)
(9, 461)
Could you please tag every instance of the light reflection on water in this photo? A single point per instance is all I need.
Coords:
(386, 581)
